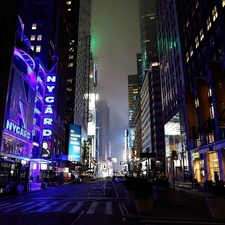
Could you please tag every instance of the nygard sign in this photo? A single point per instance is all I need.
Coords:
(48, 104)
(18, 130)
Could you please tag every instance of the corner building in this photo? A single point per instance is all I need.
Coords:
(191, 50)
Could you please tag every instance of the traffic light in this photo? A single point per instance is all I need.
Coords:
(174, 155)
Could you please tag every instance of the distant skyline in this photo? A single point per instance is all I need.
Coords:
(115, 42)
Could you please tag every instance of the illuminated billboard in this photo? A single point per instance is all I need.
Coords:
(75, 143)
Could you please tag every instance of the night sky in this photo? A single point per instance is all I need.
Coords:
(115, 42)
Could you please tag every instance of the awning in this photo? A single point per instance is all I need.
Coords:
(7, 160)
(40, 160)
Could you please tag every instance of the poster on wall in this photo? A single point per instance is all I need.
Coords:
(46, 149)
(75, 143)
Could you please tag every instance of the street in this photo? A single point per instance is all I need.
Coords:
(66, 204)
(100, 202)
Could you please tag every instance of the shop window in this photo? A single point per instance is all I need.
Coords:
(213, 164)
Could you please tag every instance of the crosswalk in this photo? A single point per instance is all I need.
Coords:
(89, 208)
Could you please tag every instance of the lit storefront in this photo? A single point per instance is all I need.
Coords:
(175, 141)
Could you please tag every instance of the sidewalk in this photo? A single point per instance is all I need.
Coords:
(189, 204)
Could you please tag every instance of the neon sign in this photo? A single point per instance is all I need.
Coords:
(49, 101)
(17, 129)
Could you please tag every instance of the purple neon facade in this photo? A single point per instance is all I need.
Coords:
(17, 132)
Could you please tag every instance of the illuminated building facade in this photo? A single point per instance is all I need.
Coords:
(17, 140)
(191, 50)
(46, 27)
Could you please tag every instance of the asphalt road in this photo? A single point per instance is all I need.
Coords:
(100, 202)
(64, 205)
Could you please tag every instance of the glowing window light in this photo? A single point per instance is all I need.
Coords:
(34, 26)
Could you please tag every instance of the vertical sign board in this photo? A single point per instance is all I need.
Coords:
(75, 142)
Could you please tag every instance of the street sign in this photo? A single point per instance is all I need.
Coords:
(148, 155)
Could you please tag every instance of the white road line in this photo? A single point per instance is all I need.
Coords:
(62, 206)
(46, 207)
(92, 208)
(33, 206)
(108, 209)
(74, 209)
(19, 203)
(11, 209)
(5, 204)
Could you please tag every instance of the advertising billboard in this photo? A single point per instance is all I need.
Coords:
(75, 143)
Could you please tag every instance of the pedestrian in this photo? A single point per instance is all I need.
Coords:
(216, 177)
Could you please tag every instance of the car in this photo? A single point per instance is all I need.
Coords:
(119, 179)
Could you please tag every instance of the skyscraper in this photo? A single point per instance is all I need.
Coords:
(79, 17)
(132, 97)
(148, 33)
(102, 127)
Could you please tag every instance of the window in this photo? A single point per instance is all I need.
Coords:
(223, 3)
(187, 23)
(214, 13)
(70, 65)
(201, 35)
(70, 56)
(196, 4)
(32, 38)
(39, 37)
(191, 51)
(68, 2)
(187, 57)
(38, 48)
(196, 42)
(208, 23)
(34, 26)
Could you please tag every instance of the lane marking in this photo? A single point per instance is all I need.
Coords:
(19, 203)
(62, 206)
(11, 209)
(74, 209)
(92, 208)
(108, 209)
(46, 207)
(33, 206)
(5, 204)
